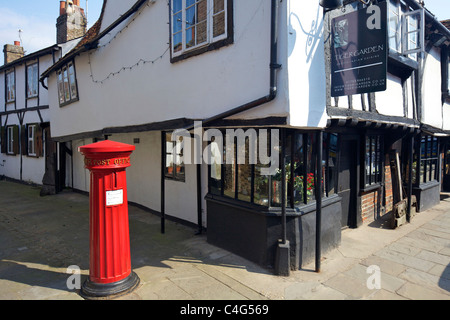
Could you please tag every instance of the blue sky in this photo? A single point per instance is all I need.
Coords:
(37, 20)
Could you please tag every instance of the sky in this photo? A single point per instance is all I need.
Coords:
(37, 20)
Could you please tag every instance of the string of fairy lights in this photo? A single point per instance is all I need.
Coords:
(130, 67)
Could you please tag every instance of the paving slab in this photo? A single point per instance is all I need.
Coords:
(41, 236)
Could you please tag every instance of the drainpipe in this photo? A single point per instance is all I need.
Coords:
(410, 172)
(274, 66)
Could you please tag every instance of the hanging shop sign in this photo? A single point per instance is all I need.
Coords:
(359, 51)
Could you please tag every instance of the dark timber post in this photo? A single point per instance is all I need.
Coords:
(282, 259)
(163, 182)
(318, 190)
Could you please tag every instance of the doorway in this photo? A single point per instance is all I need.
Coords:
(348, 180)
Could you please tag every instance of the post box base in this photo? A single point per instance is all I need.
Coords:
(99, 291)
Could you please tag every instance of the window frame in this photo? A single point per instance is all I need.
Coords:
(31, 141)
(10, 86)
(425, 162)
(67, 85)
(373, 171)
(308, 155)
(32, 81)
(402, 30)
(176, 175)
(12, 140)
(212, 42)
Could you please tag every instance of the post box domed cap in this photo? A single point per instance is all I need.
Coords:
(106, 146)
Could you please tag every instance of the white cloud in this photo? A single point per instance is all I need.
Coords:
(37, 33)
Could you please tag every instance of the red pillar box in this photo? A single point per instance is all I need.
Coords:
(110, 271)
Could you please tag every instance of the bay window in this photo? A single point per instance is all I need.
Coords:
(248, 182)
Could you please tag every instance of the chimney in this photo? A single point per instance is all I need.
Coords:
(71, 23)
(13, 52)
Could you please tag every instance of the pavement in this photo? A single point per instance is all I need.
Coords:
(40, 237)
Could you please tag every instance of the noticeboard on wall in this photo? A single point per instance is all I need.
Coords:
(359, 51)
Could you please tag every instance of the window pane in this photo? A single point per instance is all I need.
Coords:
(179, 158)
(229, 175)
(299, 169)
(332, 163)
(219, 24)
(310, 167)
(177, 42)
(202, 32)
(177, 5)
(60, 87)
(73, 85)
(10, 86)
(202, 11)
(177, 23)
(190, 37)
(245, 175)
(368, 160)
(219, 5)
(261, 193)
(31, 140)
(66, 85)
(215, 178)
(32, 76)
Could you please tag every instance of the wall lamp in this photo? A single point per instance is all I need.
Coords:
(333, 4)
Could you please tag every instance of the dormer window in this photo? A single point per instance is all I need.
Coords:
(199, 25)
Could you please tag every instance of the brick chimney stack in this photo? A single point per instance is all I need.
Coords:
(71, 23)
(13, 52)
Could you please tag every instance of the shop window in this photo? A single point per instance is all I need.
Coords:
(174, 166)
(247, 182)
(429, 157)
(199, 25)
(373, 161)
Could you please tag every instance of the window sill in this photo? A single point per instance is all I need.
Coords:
(401, 66)
(200, 50)
(68, 102)
(175, 179)
(371, 187)
(273, 211)
(426, 185)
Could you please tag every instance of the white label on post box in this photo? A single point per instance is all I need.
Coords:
(114, 198)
